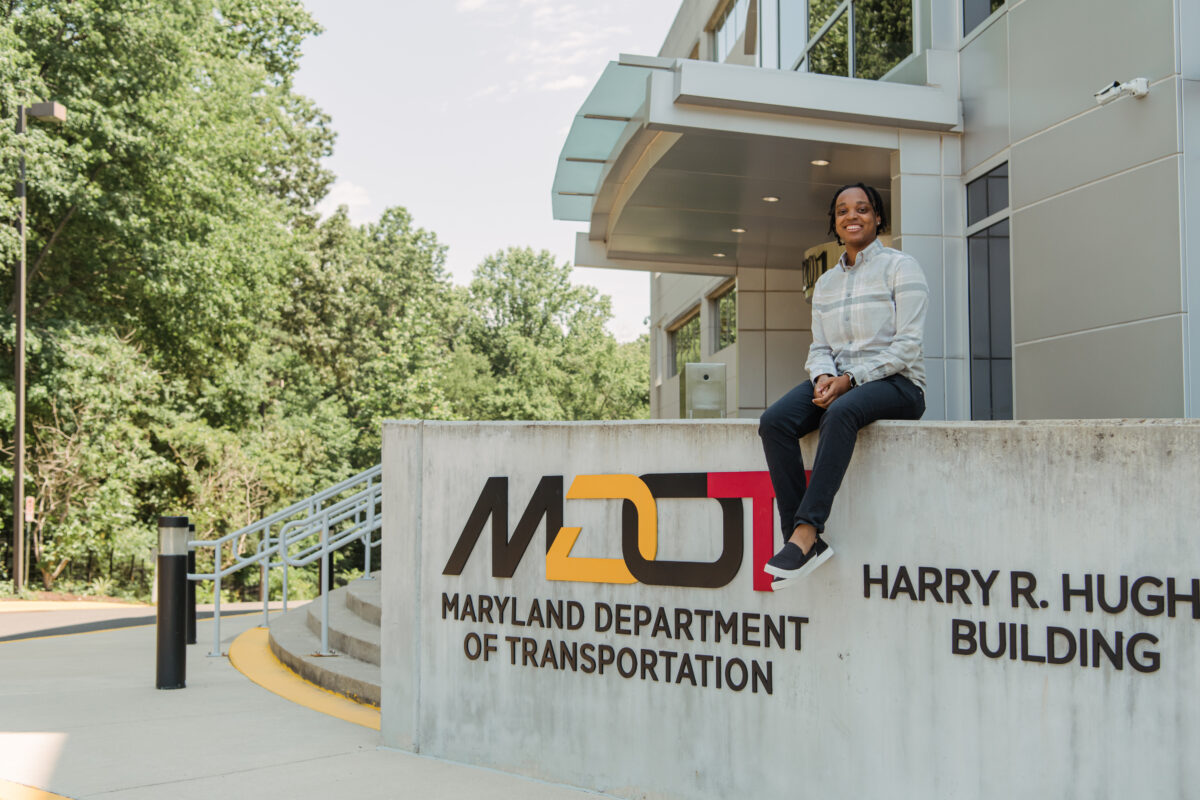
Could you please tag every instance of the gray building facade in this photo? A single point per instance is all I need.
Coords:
(1060, 236)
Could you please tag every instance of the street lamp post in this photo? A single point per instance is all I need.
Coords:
(42, 112)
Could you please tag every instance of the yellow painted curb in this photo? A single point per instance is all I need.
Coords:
(19, 791)
(251, 654)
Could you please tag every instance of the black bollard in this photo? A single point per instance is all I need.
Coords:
(191, 587)
(172, 596)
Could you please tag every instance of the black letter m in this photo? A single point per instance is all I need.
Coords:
(547, 501)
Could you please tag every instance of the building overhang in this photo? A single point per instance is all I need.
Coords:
(669, 160)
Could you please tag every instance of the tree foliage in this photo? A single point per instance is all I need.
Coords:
(540, 345)
(199, 341)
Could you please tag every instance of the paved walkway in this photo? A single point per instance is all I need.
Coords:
(80, 717)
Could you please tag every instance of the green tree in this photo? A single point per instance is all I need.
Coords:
(163, 207)
(165, 219)
(199, 340)
(94, 467)
(534, 346)
(368, 316)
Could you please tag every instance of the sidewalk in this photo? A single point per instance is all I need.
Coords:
(80, 717)
(25, 619)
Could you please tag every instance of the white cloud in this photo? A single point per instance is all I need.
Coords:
(349, 194)
(470, 5)
(554, 42)
(569, 82)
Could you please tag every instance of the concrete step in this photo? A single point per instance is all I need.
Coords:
(348, 632)
(354, 669)
(363, 598)
(296, 646)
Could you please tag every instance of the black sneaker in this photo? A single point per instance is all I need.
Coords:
(791, 562)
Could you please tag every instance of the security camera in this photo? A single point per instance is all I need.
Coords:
(1138, 87)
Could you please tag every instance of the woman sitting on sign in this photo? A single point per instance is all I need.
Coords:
(866, 363)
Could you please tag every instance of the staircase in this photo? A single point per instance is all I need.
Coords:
(353, 668)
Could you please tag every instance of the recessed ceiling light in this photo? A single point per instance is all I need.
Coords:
(738, 230)
(770, 199)
(820, 162)
(718, 255)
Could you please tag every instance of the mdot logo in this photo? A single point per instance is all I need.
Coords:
(640, 528)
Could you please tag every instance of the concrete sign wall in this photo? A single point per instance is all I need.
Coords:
(1012, 608)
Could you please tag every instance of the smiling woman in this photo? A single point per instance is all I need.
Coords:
(866, 362)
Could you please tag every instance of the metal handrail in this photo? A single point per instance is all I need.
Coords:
(335, 519)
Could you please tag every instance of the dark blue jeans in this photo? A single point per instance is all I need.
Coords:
(794, 415)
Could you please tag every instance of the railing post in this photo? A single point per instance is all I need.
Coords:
(366, 539)
(216, 648)
(367, 557)
(265, 591)
(325, 651)
(191, 586)
(171, 672)
(370, 525)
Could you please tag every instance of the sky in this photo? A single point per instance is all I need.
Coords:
(458, 109)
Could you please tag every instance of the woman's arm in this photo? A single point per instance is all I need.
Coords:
(820, 354)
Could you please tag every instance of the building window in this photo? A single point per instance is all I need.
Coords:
(725, 312)
(987, 195)
(976, 11)
(851, 38)
(730, 28)
(684, 343)
(990, 300)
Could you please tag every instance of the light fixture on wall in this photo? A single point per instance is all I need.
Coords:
(718, 255)
(770, 199)
(819, 162)
(737, 230)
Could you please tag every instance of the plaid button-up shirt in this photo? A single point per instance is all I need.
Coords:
(868, 319)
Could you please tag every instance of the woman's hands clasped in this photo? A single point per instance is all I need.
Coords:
(828, 388)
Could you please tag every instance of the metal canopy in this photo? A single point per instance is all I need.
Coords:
(669, 160)
(617, 98)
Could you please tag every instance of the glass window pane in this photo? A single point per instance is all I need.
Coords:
(976, 200)
(1000, 290)
(979, 309)
(727, 319)
(819, 12)
(987, 194)
(976, 11)
(981, 388)
(997, 189)
(685, 344)
(831, 56)
(882, 36)
(793, 32)
(1002, 400)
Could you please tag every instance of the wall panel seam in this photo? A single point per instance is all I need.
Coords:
(1099, 328)
(1055, 196)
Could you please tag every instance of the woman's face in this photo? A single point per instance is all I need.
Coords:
(855, 221)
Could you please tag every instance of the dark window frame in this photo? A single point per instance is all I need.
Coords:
(989, 299)
(682, 328)
(724, 308)
(820, 33)
(973, 14)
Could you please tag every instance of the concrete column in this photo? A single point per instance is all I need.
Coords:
(928, 219)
